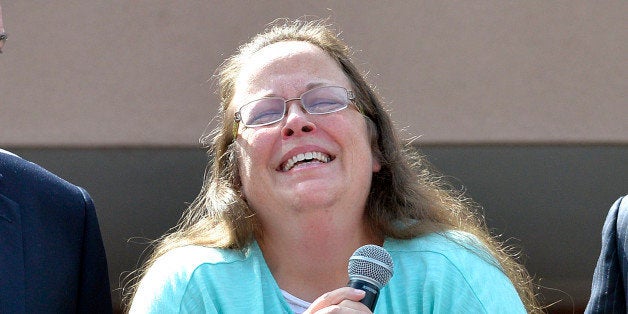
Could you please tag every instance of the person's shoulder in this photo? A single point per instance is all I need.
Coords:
(617, 216)
(180, 263)
(10, 162)
(177, 266)
(194, 255)
(621, 220)
(622, 203)
(7, 153)
(456, 263)
(458, 249)
(444, 242)
(181, 270)
(34, 177)
(39, 190)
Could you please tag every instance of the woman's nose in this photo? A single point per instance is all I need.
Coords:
(297, 121)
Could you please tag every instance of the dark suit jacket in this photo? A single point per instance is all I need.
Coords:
(610, 279)
(52, 259)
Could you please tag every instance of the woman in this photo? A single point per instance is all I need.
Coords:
(308, 168)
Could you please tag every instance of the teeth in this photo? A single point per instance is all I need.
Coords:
(324, 158)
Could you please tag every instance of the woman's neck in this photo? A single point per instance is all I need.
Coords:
(309, 258)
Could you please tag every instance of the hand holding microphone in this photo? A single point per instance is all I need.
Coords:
(370, 268)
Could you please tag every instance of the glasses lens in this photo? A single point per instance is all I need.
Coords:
(325, 99)
(262, 112)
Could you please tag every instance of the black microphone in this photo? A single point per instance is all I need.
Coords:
(370, 269)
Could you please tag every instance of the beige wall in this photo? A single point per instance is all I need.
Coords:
(118, 73)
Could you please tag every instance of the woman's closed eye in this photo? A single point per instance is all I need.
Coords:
(266, 116)
(323, 105)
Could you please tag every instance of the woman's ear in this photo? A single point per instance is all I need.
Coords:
(376, 165)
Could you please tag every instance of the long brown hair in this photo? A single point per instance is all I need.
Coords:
(408, 198)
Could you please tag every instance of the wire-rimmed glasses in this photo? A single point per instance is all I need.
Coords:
(269, 110)
(3, 40)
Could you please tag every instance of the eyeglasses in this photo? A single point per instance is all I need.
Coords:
(269, 110)
(3, 39)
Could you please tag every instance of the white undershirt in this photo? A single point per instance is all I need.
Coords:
(297, 305)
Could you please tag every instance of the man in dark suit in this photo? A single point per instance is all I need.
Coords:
(610, 279)
(52, 259)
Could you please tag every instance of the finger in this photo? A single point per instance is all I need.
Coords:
(354, 305)
(346, 307)
(335, 297)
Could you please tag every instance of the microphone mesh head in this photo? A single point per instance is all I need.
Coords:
(371, 263)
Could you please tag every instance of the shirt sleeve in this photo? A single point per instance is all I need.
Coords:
(473, 287)
(162, 287)
(437, 274)
(467, 279)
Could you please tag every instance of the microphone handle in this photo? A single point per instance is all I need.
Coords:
(372, 292)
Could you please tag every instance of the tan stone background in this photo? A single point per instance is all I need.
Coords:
(138, 73)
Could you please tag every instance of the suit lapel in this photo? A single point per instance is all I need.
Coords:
(12, 274)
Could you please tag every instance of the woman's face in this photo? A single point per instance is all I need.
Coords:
(341, 178)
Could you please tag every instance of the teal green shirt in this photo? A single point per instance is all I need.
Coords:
(432, 274)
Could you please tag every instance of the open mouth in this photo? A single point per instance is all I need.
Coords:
(304, 158)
